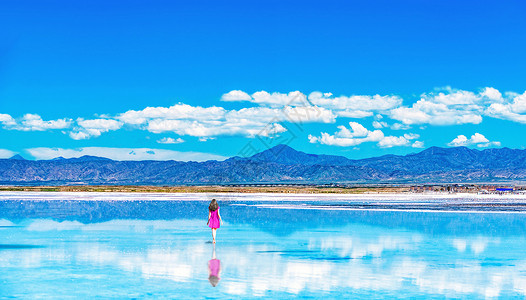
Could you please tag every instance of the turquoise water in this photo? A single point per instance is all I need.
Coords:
(61, 246)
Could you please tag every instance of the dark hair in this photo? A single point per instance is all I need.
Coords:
(213, 205)
(214, 280)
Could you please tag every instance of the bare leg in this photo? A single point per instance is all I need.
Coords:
(214, 234)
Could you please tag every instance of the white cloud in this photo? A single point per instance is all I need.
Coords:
(205, 138)
(356, 102)
(379, 124)
(4, 153)
(492, 94)
(477, 139)
(169, 140)
(512, 110)
(265, 98)
(272, 130)
(400, 126)
(279, 99)
(179, 111)
(123, 154)
(7, 120)
(433, 112)
(246, 121)
(236, 95)
(358, 134)
(183, 119)
(357, 106)
(33, 122)
(93, 128)
(418, 144)
(453, 107)
(449, 107)
(519, 104)
(393, 141)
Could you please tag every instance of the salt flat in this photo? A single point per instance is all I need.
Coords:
(401, 201)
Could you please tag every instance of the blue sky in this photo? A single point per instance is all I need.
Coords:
(210, 79)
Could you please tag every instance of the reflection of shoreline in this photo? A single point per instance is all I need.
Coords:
(214, 269)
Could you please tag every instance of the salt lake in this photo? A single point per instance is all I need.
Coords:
(111, 245)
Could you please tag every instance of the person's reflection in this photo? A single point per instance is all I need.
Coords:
(214, 269)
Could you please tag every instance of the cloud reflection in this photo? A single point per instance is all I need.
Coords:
(350, 258)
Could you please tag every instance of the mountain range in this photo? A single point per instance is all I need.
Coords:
(280, 164)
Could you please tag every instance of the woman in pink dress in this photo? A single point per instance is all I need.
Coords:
(214, 218)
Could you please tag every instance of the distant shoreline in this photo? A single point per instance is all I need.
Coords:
(208, 189)
(272, 189)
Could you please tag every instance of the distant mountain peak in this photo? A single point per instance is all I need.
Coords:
(280, 154)
(276, 150)
(284, 154)
(17, 157)
(91, 158)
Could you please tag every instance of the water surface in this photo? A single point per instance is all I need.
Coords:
(55, 245)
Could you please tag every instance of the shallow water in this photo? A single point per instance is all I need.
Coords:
(60, 245)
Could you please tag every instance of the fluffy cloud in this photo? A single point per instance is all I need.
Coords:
(123, 154)
(183, 119)
(93, 128)
(513, 110)
(273, 99)
(279, 99)
(400, 126)
(394, 141)
(426, 111)
(272, 130)
(357, 106)
(345, 137)
(4, 153)
(179, 111)
(357, 134)
(357, 102)
(379, 124)
(477, 139)
(519, 104)
(236, 95)
(451, 107)
(492, 94)
(33, 122)
(169, 140)
(7, 120)
(418, 144)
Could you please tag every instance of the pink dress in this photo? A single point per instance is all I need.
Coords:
(214, 219)
(214, 265)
